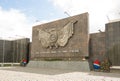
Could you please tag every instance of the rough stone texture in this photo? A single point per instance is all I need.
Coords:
(113, 42)
(97, 46)
(65, 65)
(14, 51)
(106, 44)
(5, 51)
(76, 47)
(20, 49)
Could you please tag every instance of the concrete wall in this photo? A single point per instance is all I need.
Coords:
(97, 46)
(20, 49)
(14, 51)
(76, 47)
(106, 44)
(113, 42)
(5, 51)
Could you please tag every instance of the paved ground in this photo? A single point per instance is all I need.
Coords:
(42, 74)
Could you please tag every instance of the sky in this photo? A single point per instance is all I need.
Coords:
(17, 17)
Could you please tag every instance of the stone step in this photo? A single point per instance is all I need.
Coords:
(65, 65)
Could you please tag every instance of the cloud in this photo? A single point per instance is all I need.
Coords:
(14, 23)
(98, 10)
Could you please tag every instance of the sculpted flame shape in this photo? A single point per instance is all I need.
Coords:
(55, 38)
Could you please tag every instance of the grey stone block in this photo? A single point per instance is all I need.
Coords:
(65, 65)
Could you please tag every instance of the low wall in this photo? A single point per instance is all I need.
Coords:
(68, 65)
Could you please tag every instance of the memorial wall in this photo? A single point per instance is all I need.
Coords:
(5, 51)
(113, 42)
(64, 39)
(106, 44)
(97, 46)
(14, 51)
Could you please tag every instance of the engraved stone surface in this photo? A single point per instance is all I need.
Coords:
(54, 38)
(61, 39)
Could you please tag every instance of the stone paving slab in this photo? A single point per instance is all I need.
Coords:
(7, 75)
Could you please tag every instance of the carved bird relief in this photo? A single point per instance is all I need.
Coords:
(55, 38)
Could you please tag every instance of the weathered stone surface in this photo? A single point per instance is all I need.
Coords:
(64, 65)
(54, 38)
(97, 46)
(75, 47)
(5, 51)
(113, 42)
(14, 51)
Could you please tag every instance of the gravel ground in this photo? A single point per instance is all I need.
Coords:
(10, 74)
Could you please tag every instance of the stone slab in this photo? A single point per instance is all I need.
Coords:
(65, 65)
(44, 46)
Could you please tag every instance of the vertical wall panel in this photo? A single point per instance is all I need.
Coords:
(113, 42)
(5, 51)
(97, 46)
(20, 49)
(14, 51)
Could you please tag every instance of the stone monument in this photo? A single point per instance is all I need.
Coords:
(65, 40)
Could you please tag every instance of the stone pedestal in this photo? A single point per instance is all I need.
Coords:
(65, 65)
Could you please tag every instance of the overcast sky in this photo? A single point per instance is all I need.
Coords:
(17, 17)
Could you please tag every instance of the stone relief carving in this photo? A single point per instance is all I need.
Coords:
(55, 38)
